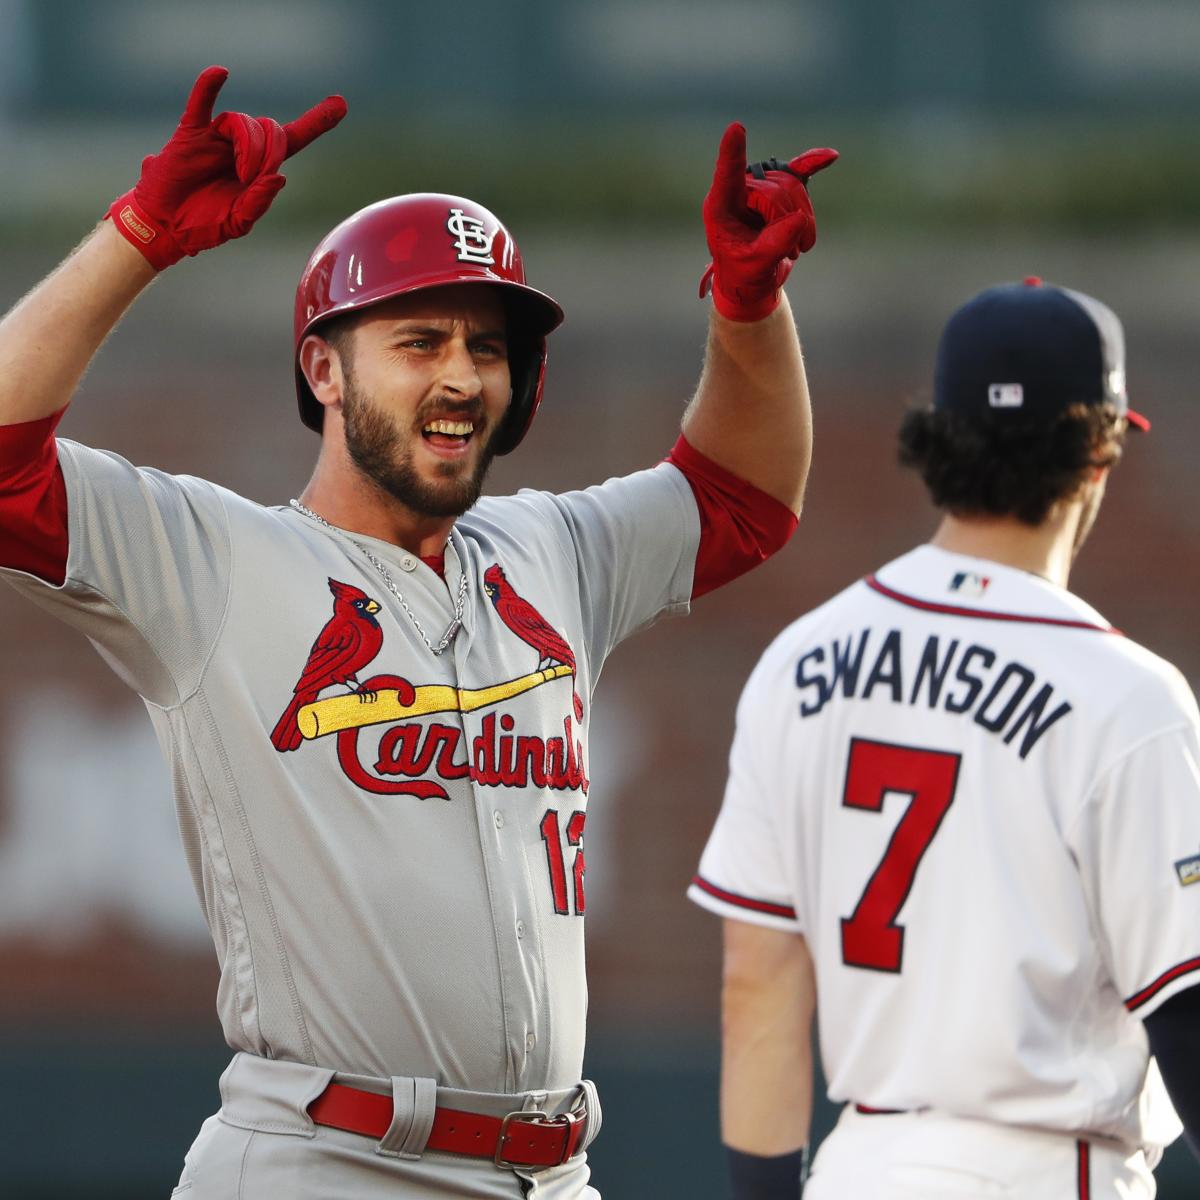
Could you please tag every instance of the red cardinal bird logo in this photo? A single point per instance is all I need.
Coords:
(350, 639)
(529, 625)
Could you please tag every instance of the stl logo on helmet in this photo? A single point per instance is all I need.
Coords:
(471, 239)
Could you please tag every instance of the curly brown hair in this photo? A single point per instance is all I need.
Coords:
(991, 464)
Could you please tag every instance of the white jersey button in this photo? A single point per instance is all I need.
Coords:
(408, 563)
(530, 1041)
(520, 929)
(498, 817)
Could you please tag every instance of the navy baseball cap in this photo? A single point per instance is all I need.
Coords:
(1032, 348)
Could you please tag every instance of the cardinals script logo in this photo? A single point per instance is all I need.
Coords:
(413, 750)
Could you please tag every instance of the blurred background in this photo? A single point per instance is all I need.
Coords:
(981, 142)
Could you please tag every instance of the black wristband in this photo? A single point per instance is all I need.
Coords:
(1174, 1032)
(766, 1177)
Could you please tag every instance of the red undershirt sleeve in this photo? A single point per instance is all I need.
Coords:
(740, 525)
(33, 500)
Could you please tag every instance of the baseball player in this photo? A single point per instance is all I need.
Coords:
(962, 823)
(375, 699)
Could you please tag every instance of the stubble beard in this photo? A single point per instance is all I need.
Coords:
(377, 448)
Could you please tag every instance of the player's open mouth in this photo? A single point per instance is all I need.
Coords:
(448, 436)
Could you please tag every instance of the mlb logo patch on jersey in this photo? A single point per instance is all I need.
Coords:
(1188, 870)
(1006, 395)
(967, 583)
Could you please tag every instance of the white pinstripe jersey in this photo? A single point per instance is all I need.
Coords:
(980, 805)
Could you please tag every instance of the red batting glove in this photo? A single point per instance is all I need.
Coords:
(758, 220)
(775, 189)
(214, 178)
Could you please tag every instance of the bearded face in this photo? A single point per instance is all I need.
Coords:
(425, 389)
(385, 451)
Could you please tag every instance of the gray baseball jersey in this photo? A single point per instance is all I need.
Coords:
(388, 844)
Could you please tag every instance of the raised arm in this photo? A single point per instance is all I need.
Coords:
(211, 181)
(751, 412)
(48, 338)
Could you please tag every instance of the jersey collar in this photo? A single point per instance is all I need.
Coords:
(936, 580)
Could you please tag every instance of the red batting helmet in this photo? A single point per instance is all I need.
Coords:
(427, 240)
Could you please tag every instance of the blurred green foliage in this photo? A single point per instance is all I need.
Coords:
(1041, 177)
(1076, 177)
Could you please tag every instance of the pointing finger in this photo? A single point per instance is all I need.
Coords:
(729, 176)
(309, 126)
(198, 112)
(812, 161)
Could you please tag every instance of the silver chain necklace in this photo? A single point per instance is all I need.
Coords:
(459, 604)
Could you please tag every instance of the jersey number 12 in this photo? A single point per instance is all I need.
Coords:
(870, 935)
(556, 860)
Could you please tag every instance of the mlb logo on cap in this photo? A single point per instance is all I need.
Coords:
(1032, 348)
(1006, 395)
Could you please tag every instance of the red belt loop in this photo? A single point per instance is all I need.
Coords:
(520, 1139)
(1083, 1175)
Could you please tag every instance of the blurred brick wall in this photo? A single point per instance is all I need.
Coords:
(198, 381)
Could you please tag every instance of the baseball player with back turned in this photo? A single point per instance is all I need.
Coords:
(962, 824)
(375, 700)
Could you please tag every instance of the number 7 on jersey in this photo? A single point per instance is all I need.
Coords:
(871, 937)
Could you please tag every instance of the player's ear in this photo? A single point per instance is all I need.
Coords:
(322, 367)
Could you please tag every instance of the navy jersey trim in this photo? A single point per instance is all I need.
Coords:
(955, 610)
(762, 906)
(1169, 976)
